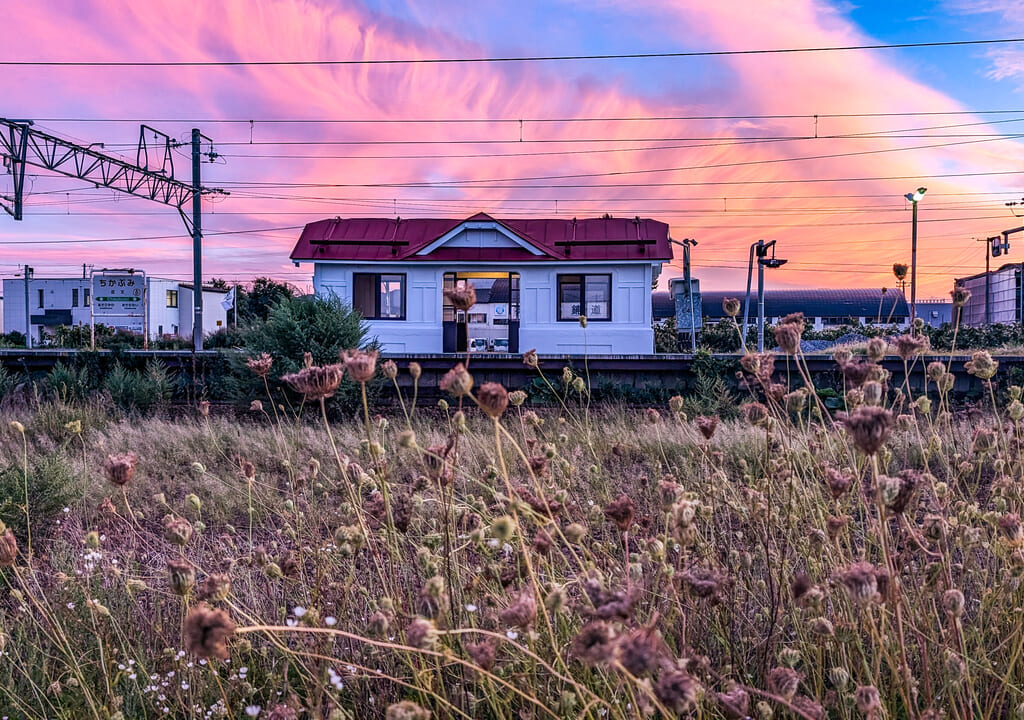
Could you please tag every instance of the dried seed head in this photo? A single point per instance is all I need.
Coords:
(120, 468)
(204, 408)
(935, 370)
(756, 413)
(248, 470)
(256, 406)
(457, 381)
(177, 531)
(676, 403)
(260, 366)
(207, 632)
(842, 356)
(981, 365)
(868, 699)
(651, 415)
(731, 306)
(677, 690)
(900, 271)
(415, 370)
(838, 482)
(909, 346)
(182, 576)
(522, 611)
(707, 425)
(8, 548)
(316, 382)
(620, 512)
(873, 392)
(735, 704)
(216, 586)
(953, 602)
(1012, 529)
(869, 428)
(595, 643)
(390, 369)
(462, 298)
(877, 348)
(960, 295)
(422, 634)
(483, 653)
(530, 358)
(795, 401)
(492, 399)
(640, 652)
(860, 581)
(516, 398)
(360, 364)
(784, 682)
(787, 336)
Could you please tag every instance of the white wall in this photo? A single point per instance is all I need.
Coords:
(57, 295)
(628, 332)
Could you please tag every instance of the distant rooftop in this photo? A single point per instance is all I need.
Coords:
(855, 302)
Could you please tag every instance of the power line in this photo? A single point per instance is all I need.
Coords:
(503, 59)
(533, 120)
(150, 237)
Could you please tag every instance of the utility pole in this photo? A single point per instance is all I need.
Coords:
(28, 311)
(197, 244)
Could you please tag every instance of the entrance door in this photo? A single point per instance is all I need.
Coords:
(513, 312)
(454, 337)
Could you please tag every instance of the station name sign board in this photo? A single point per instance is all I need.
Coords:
(118, 299)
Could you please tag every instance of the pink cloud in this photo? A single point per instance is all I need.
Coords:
(807, 218)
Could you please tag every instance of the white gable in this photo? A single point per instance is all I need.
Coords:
(480, 234)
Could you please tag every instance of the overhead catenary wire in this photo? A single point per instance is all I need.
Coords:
(508, 59)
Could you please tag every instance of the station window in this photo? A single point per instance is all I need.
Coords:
(379, 296)
(589, 295)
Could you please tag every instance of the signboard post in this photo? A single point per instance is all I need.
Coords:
(119, 300)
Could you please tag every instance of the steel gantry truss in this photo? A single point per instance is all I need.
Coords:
(22, 145)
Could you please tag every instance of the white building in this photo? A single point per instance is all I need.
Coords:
(395, 271)
(53, 302)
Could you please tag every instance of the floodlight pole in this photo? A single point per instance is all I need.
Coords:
(914, 198)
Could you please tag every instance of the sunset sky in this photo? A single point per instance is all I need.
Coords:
(812, 149)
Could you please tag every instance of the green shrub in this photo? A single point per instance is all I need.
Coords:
(294, 326)
(52, 486)
(67, 382)
(134, 390)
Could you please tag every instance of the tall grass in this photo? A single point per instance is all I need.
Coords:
(488, 560)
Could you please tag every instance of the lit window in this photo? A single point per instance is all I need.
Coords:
(478, 318)
(379, 296)
(589, 295)
(172, 298)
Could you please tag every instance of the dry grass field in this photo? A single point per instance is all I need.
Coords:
(485, 559)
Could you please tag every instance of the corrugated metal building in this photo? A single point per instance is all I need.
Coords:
(825, 307)
(1005, 296)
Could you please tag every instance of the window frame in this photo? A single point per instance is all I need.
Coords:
(561, 279)
(404, 281)
(172, 294)
(74, 297)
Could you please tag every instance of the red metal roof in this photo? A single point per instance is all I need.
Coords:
(380, 239)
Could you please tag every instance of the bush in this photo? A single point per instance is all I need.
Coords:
(52, 486)
(135, 390)
(294, 326)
